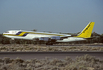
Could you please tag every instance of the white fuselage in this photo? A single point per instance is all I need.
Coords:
(21, 34)
(30, 35)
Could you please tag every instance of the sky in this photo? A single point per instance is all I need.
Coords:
(65, 16)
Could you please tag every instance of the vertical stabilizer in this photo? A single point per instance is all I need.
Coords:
(87, 31)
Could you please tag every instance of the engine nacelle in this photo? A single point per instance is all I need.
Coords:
(44, 39)
(55, 38)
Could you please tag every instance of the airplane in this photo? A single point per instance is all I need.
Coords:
(50, 38)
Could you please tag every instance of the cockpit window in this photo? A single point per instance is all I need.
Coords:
(7, 32)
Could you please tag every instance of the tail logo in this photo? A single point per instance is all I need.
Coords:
(86, 29)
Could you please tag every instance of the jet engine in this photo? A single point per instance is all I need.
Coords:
(44, 39)
(55, 38)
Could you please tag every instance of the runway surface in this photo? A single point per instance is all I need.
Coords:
(42, 55)
(78, 45)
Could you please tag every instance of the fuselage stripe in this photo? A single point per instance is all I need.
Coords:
(23, 34)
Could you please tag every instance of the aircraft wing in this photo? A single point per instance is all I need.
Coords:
(52, 38)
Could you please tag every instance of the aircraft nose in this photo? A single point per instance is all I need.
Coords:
(3, 33)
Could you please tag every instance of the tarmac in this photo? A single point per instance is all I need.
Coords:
(42, 55)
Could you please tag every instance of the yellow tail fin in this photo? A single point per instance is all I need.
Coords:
(87, 31)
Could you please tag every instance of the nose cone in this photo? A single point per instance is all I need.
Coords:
(3, 34)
